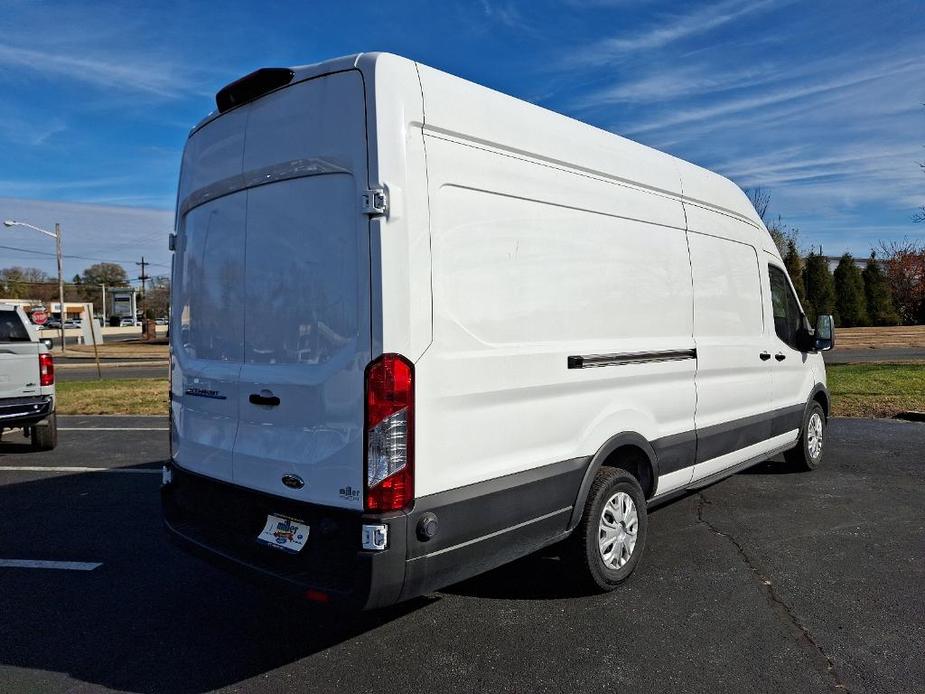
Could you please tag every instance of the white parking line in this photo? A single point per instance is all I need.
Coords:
(113, 428)
(48, 468)
(32, 564)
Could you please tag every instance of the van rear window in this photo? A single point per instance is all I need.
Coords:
(11, 328)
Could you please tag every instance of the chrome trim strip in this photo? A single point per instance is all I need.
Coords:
(296, 168)
(586, 361)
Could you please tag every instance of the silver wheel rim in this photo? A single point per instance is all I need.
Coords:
(618, 528)
(814, 436)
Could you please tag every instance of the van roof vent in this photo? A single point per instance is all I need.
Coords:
(252, 86)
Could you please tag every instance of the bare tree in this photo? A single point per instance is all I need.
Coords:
(760, 199)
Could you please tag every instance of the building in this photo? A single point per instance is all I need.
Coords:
(833, 260)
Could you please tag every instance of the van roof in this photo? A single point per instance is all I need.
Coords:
(497, 121)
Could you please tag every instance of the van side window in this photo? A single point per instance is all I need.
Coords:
(787, 314)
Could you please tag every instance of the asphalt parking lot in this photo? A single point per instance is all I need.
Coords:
(770, 581)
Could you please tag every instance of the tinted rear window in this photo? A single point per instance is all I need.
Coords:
(11, 328)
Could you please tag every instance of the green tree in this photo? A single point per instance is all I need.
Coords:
(158, 296)
(850, 301)
(820, 288)
(110, 274)
(26, 283)
(794, 264)
(878, 294)
(95, 276)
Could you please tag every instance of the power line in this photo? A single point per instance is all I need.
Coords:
(77, 257)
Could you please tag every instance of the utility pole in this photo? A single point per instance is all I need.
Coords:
(144, 278)
(60, 281)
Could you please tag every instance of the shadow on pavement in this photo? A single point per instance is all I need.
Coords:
(150, 619)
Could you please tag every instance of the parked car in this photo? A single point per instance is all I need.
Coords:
(126, 323)
(532, 334)
(71, 324)
(27, 380)
(161, 321)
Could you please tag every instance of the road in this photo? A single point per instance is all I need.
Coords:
(881, 354)
(770, 581)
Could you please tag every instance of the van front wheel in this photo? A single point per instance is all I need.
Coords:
(611, 536)
(807, 454)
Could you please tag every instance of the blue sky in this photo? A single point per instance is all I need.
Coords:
(818, 102)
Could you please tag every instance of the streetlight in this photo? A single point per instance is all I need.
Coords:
(57, 237)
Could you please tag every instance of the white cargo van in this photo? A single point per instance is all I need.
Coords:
(421, 328)
(27, 380)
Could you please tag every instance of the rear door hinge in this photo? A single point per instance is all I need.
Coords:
(375, 202)
(172, 242)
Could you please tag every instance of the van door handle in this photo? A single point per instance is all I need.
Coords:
(765, 356)
(780, 356)
(264, 398)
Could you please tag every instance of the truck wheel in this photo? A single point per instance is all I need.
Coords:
(45, 434)
(807, 454)
(611, 536)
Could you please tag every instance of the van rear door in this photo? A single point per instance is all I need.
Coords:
(207, 320)
(306, 308)
(295, 299)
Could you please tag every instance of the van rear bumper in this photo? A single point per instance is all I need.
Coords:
(220, 522)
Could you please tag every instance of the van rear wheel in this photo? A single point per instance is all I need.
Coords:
(44, 435)
(611, 536)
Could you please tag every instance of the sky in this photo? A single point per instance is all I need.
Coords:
(819, 102)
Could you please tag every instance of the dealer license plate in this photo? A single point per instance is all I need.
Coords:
(284, 533)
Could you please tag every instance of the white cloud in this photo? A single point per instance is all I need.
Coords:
(93, 232)
(796, 92)
(672, 83)
(675, 28)
(156, 77)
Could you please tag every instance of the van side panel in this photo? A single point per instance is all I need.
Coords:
(533, 265)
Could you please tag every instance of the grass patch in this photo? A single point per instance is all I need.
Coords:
(113, 396)
(876, 390)
(858, 390)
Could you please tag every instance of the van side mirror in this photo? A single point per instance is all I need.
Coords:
(825, 333)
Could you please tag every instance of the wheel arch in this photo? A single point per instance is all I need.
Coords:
(820, 394)
(634, 452)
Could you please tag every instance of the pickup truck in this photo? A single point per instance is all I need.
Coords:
(27, 380)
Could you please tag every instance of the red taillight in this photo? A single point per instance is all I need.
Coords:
(389, 433)
(46, 369)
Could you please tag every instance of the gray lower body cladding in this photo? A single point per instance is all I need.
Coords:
(478, 527)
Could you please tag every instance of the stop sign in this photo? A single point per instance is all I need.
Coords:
(39, 317)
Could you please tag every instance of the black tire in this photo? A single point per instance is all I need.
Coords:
(45, 434)
(805, 455)
(585, 542)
